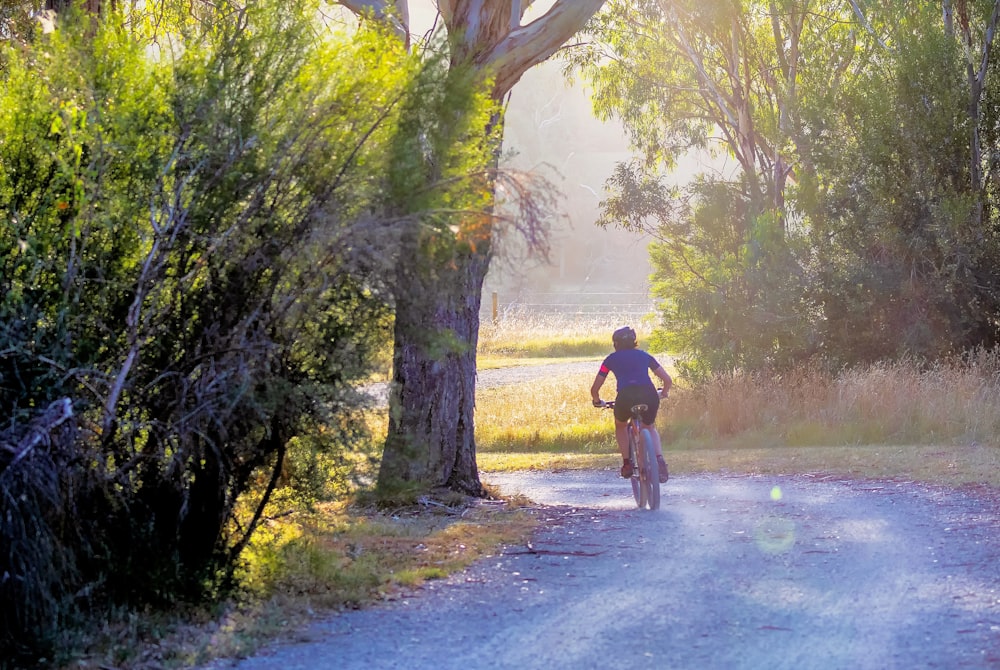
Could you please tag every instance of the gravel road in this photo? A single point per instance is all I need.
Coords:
(731, 572)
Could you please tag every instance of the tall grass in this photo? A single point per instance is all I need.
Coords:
(954, 401)
(938, 422)
(551, 415)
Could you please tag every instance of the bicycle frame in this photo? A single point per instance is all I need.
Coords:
(645, 474)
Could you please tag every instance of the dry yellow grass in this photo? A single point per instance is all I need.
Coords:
(940, 424)
(552, 414)
(899, 403)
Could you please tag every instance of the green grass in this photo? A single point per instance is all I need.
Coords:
(936, 464)
(950, 465)
(551, 337)
(553, 349)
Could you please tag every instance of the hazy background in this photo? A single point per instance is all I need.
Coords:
(550, 127)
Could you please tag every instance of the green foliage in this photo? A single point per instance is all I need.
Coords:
(441, 176)
(63, 253)
(730, 260)
(851, 224)
(194, 252)
(21, 22)
(903, 254)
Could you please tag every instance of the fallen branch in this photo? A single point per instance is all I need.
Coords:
(552, 552)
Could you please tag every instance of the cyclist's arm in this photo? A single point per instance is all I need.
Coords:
(595, 389)
(664, 376)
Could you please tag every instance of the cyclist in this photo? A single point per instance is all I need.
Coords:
(631, 367)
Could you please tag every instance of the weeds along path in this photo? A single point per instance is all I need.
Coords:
(732, 572)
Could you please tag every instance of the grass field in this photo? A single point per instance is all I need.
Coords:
(938, 424)
(521, 340)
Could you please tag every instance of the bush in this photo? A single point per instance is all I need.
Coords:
(192, 259)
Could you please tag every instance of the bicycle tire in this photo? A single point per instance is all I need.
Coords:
(651, 471)
(637, 490)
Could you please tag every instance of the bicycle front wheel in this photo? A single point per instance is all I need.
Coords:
(650, 471)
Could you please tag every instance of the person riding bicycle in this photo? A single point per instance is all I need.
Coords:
(631, 367)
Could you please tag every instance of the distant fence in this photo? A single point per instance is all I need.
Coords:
(620, 304)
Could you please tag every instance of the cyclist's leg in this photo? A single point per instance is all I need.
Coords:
(649, 423)
(621, 436)
(652, 400)
(656, 438)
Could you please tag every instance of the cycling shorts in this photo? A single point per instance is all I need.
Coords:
(636, 395)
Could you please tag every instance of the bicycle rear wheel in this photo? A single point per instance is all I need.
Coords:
(637, 490)
(650, 471)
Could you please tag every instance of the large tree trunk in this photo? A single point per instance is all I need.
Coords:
(431, 438)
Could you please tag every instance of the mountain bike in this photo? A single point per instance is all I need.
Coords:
(645, 471)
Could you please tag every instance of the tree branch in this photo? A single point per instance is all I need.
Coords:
(54, 416)
(988, 46)
(867, 26)
(534, 43)
(396, 12)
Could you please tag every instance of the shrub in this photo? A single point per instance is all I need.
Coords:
(192, 259)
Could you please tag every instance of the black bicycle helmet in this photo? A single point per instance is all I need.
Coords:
(624, 337)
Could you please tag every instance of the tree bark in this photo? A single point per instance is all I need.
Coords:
(431, 439)
(977, 84)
